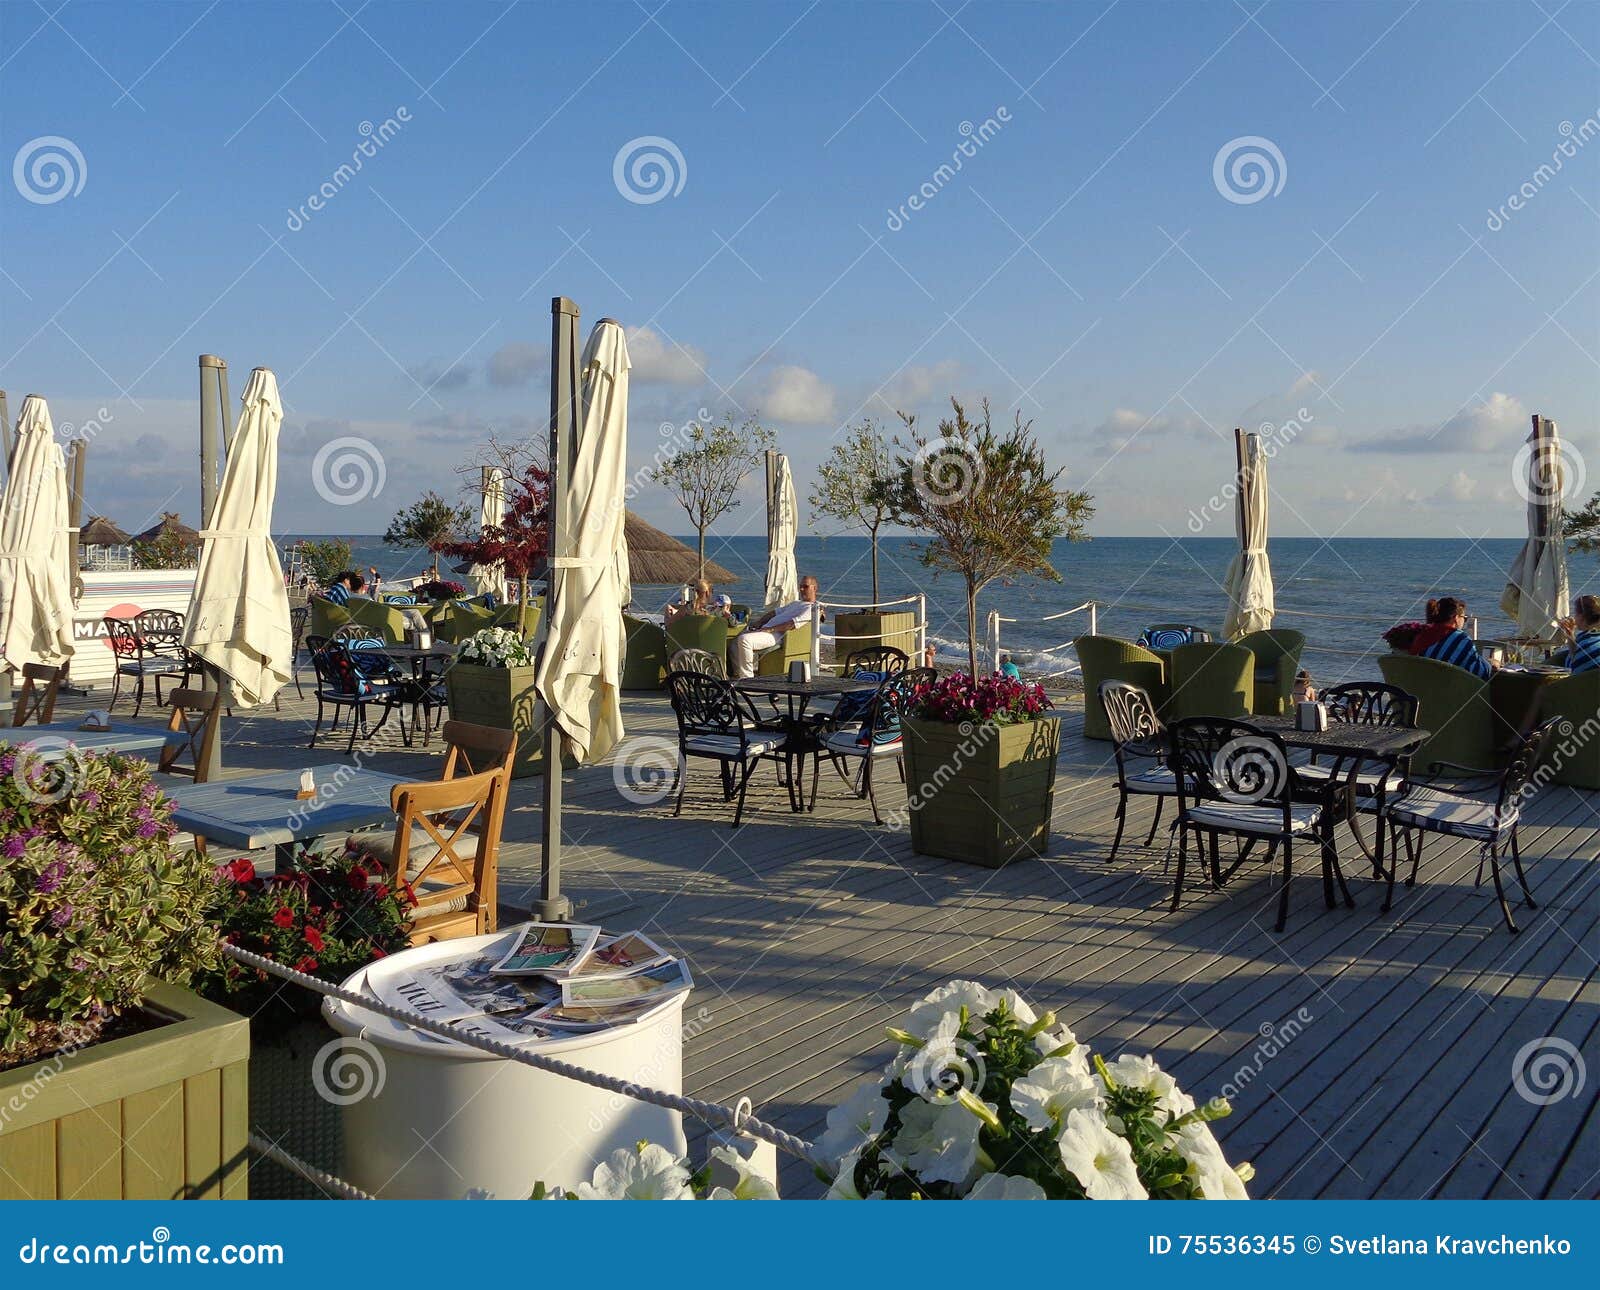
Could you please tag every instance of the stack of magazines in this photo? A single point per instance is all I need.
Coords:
(554, 979)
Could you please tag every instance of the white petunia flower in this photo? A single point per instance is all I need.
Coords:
(1047, 1041)
(854, 1122)
(750, 1185)
(1142, 1072)
(1208, 1167)
(1100, 1160)
(947, 1001)
(1045, 1095)
(653, 1173)
(938, 1141)
(1005, 1187)
(844, 1186)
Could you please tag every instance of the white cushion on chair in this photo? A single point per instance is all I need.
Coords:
(1252, 819)
(843, 743)
(1158, 779)
(1366, 782)
(151, 667)
(1433, 808)
(756, 744)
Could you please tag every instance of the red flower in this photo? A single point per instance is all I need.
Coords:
(358, 877)
(314, 939)
(240, 870)
(381, 890)
(379, 954)
(283, 916)
(306, 964)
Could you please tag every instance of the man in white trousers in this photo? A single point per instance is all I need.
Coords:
(767, 631)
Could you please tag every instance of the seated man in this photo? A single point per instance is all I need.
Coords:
(766, 631)
(347, 584)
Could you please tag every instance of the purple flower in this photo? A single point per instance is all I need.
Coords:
(89, 797)
(13, 847)
(61, 916)
(79, 963)
(50, 879)
(148, 829)
(8, 762)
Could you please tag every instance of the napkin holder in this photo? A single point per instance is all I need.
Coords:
(1311, 716)
(419, 638)
(98, 721)
(308, 787)
(799, 670)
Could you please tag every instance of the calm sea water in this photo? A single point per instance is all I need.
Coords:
(1360, 585)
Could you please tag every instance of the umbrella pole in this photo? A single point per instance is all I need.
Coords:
(5, 433)
(552, 906)
(213, 419)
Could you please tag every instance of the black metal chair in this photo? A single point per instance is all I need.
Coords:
(1366, 703)
(715, 723)
(146, 655)
(876, 658)
(1471, 814)
(341, 684)
(299, 618)
(1139, 743)
(1233, 778)
(702, 661)
(875, 736)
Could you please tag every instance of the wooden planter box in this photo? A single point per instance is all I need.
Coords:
(161, 1115)
(863, 631)
(501, 697)
(984, 797)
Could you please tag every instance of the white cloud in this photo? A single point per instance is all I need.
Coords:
(517, 362)
(917, 384)
(797, 395)
(656, 359)
(1498, 424)
(1460, 487)
(1129, 430)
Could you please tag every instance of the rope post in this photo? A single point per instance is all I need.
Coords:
(993, 642)
(1094, 619)
(922, 627)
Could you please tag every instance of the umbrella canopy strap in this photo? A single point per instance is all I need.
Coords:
(739, 1118)
(582, 562)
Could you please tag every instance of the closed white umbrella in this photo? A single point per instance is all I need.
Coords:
(783, 522)
(580, 666)
(1250, 597)
(490, 579)
(36, 546)
(238, 619)
(1536, 593)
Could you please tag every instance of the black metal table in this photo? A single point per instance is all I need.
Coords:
(800, 731)
(423, 676)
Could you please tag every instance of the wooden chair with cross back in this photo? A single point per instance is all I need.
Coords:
(193, 730)
(454, 870)
(37, 697)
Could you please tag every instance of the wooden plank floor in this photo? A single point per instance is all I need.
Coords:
(1365, 1055)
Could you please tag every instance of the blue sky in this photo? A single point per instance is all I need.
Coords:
(1085, 264)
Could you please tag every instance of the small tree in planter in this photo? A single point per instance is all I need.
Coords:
(705, 475)
(101, 925)
(325, 560)
(980, 769)
(989, 504)
(853, 483)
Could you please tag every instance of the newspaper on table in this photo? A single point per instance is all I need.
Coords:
(621, 955)
(653, 984)
(549, 949)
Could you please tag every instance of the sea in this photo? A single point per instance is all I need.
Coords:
(1341, 592)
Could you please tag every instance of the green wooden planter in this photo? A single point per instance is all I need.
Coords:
(985, 796)
(867, 631)
(501, 697)
(161, 1115)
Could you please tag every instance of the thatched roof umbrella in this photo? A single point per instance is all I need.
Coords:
(171, 525)
(99, 531)
(659, 559)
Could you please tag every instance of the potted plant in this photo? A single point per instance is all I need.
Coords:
(980, 761)
(328, 916)
(115, 1080)
(519, 543)
(491, 684)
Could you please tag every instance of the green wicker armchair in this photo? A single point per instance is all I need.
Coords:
(1576, 756)
(385, 620)
(698, 631)
(326, 617)
(1455, 710)
(1277, 654)
(644, 664)
(1106, 658)
(1210, 680)
(792, 644)
(461, 620)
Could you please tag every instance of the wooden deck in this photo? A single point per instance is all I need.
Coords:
(1365, 1055)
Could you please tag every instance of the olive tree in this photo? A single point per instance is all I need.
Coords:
(988, 503)
(1583, 526)
(853, 485)
(705, 474)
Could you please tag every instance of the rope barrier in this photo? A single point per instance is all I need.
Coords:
(712, 1112)
(328, 1182)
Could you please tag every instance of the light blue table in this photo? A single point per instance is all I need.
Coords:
(52, 741)
(253, 812)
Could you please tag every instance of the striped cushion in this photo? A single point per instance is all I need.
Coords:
(728, 745)
(848, 743)
(151, 667)
(1166, 638)
(1366, 782)
(1158, 779)
(1441, 812)
(1252, 819)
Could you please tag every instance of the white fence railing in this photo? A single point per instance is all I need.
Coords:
(996, 618)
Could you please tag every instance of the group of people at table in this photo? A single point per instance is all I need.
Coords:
(763, 632)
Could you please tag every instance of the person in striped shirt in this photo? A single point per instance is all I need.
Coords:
(344, 586)
(1583, 634)
(1445, 639)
